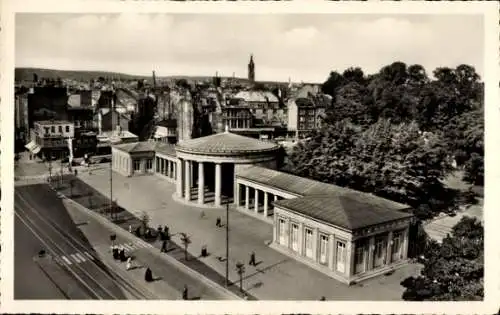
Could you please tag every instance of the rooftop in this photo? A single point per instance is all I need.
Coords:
(301, 187)
(226, 143)
(147, 146)
(52, 122)
(257, 96)
(348, 210)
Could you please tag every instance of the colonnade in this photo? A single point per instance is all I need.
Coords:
(252, 198)
(188, 179)
(166, 167)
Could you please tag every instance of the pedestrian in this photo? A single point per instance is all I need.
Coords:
(218, 222)
(138, 231)
(322, 298)
(129, 263)
(130, 228)
(76, 172)
(148, 276)
(185, 293)
(164, 247)
(123, 257)
(116, 254)
(252, 259)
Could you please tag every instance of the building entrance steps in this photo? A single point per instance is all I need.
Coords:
(276, 276)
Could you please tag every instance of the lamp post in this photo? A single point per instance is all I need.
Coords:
(227, 244)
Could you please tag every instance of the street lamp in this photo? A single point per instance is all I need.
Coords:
(227, 243)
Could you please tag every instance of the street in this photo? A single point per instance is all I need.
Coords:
(36, 207)
(80, 246)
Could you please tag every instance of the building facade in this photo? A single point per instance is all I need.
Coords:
(132, 159)
(237, 117)
(304, 116)
(51, 136)
(340, 236)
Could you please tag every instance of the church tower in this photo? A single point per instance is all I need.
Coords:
(251, 70)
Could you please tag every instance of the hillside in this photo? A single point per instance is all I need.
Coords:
(26, 74)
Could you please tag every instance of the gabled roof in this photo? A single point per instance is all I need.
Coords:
(226, 143)
(348, 210)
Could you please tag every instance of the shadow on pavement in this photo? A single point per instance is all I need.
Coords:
(128, 221)
(51, 208)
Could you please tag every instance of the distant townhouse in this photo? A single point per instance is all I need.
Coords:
(50, 138)
(306, 114)
(263, 104)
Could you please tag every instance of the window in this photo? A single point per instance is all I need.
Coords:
(323, 249)
(281, 231)
(137, 165)
(359, 258)
(60, 129)
(341, 253)
(149, 164)
(309, 243)
(47, 130)
(67, 128)
(53, 129)
(295, 237)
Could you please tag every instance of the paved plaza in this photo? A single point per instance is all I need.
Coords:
(276, 277)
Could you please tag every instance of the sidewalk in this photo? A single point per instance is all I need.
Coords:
(277, 277)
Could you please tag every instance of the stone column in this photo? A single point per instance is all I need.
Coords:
(388, 256)
(175, 171)
(237, 195)
(247, 197)
(315, 244)
(350, 258)
(331, 251)
(201, 183)
(179, 178)
(187, 180)
(218, 184)
(256, 201)
(171, 168)
(266, 201)
(301, 238)
(275, 227)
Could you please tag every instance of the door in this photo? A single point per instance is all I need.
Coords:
(380, 252)
(323, 249)
(341, 256)
(281, 231)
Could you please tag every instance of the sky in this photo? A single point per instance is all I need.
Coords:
(302, 47)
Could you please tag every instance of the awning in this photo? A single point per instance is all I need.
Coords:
(30, 146)
(36, 150)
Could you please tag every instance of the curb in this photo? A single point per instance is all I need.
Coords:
(171, 260)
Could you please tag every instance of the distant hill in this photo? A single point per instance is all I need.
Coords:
(26, 74)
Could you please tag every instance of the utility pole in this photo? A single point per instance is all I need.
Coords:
(111, 188)
(227, 244)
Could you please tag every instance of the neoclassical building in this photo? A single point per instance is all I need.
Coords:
(348, 235)
(207, 165)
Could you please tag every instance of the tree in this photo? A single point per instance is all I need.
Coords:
(350, 103)
(186, 240)
(453, 270)
(145, 220)
(333, 83)
(240, 269)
